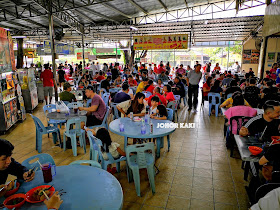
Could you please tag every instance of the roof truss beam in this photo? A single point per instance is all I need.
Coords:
(138, 6)
(163, 5)
(116, 10)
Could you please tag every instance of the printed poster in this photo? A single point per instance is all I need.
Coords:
(5, 58)
(12, 55)
(47, 47)
(255, 56)
(80, 55)
(246, 56)
(177, 41)
(271, 57)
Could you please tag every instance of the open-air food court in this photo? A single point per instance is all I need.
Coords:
(140, 104)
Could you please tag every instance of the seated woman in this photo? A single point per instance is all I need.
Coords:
(216, 88)
(118, 81)
(159, 83)
(238, 109)
(228, 103)
(167, 93)
(232, 88)
(207, 88)
(161, 113)
(137, 106)
(150, 87)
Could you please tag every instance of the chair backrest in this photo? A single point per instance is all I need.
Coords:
(82, 119)
(92, 163)
(73, 124)
(177, 97)
(96, 144)
(66, 102)
(43, 158)
(38, 123)
(89, 102)
(147, 94)
(264, 189)
(216, 98)
(115, 110)
(169, 114)
(141, 151)
(71, 105)
(49, 108)
(105, 119)
(105, 98)
(239, 121)
(229, 95)
(172, 105)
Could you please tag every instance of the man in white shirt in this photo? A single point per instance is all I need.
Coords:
(93, 69)
(97, 67)
(237, 66)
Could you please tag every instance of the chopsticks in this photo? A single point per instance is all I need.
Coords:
(47, 197)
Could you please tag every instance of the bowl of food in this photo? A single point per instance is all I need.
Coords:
(255, 150)
(11, 189)
(136, 119)
(14, 201)
(275, 139)
(36, 195)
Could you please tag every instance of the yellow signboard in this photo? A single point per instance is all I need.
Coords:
(175, 41)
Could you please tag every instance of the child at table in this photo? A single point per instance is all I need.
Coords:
(161, 113)
(108, 146)
(154, 105)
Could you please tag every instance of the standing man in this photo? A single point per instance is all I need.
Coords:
(115, 71)
(48, 82)
(237, 66)
(193, 80)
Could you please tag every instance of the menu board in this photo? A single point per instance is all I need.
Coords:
(246, 56)
(176, 41)
(251, 56)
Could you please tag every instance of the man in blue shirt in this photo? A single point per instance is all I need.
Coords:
(123, 95)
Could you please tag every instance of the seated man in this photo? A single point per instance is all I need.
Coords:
(233, 88)
(123, 95)
(142, 85)
(105, 84)
(265, 125)
(9, 166)
(163, 77)
(227, 80)
(156, 92)
(97, 110)
(100, 77)
(252, 93)
(131, 81)
(66, 95)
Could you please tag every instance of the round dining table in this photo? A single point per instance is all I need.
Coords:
(86, 187)
(132, 129)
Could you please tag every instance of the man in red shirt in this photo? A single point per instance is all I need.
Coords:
(156, 92)
(131, 81)
(100, 77)
(48, 83)
(160, 69)
(221, 78)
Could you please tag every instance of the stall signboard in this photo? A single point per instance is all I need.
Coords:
(247, 56)
(80, 55)
(175, 41)
(47, 47)
(62, 48)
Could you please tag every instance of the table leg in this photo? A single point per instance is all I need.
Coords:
(158, 146)
(246, 170)
(125, 142)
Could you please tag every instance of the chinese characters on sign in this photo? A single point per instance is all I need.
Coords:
(178, 41)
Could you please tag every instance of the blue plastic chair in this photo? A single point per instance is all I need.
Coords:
(105, 98)
(147, 94)
(186, 94)
(214, 102)
(89, 102)
(105, 120)
(115, 111)
(174, 106)
(92, 163)
(49, 108)
(66, 102)
(72, 132)
(41, 129)
(142, 159)
(73, 104)
(43, 158)
(96, 154)
(229, 95)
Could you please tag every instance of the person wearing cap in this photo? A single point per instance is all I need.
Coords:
(97, 110)
(66, 95)
(266, 125)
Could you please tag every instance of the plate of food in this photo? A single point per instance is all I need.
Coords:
(36, 194)
(14, 201)
(137, 119)
(12, 188)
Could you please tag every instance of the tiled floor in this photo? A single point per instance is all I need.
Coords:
(197, 172)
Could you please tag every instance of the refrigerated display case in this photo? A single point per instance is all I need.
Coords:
(29, 89)
(8, 102)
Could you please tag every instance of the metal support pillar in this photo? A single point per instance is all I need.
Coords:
(52, 46)
(263, 57)
(228, 56)
(83, 48)
(116, 52)
(19, 53)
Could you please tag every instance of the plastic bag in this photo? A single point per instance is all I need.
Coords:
(61, 107)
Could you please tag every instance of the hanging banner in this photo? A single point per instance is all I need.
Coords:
(71, 50)
(62, 48)
(12, 55)
(5, 57)
(47, 47)
(177, 41)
